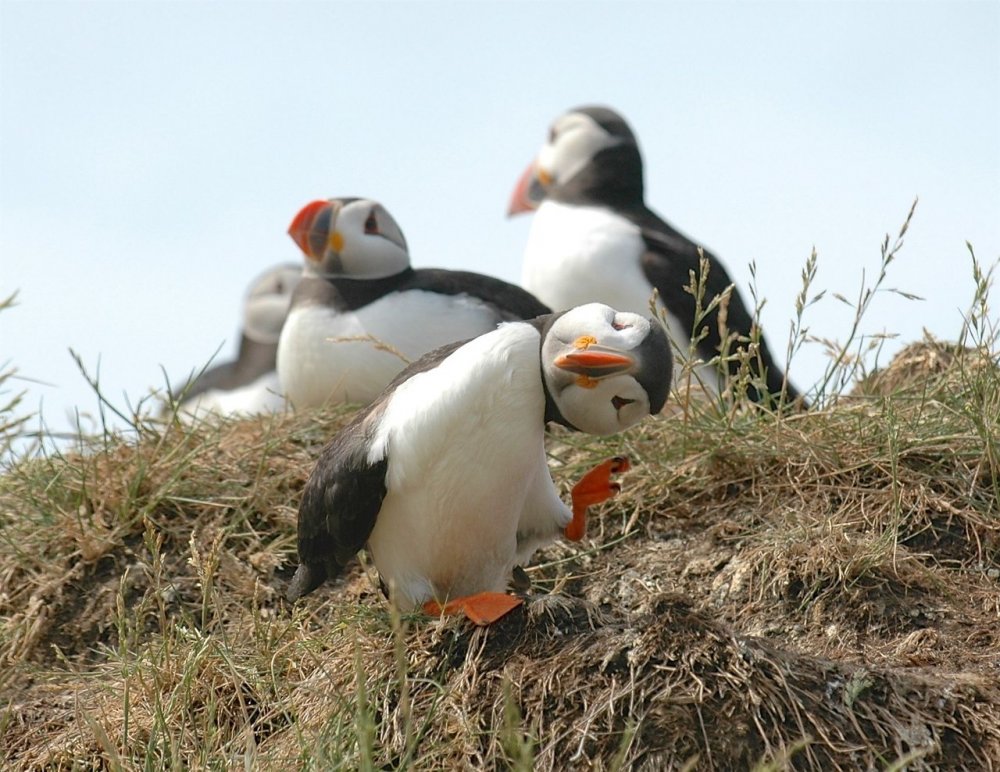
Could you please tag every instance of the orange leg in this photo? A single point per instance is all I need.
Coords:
(483, 608)
(593, 488)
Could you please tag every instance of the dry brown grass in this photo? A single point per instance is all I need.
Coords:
(809, 591)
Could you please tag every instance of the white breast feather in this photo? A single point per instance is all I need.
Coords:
(261, 396)
(466, 471)
(583, 254)
(316, 365)
(586, 254)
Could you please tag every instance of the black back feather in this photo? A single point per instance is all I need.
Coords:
(509, 301)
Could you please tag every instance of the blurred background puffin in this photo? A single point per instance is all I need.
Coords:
(361, 312)
(444, 476)
(594, 239)
(249, 384)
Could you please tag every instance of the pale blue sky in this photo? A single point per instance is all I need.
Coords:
(152, 154)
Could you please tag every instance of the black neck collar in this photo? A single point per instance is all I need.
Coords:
(552, 412)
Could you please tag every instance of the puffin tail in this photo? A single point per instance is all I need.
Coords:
(308, 576)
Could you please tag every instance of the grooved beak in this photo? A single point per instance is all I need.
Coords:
(310, 228)
(595, 362)
(528, 193)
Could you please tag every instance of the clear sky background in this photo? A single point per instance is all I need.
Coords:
(153, 154)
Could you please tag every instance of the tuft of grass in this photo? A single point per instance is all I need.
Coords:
(848, 359)
(13, 423)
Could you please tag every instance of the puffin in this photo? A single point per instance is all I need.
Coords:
(361, 313)
(444, 476)
(594, 239)
(249, 384)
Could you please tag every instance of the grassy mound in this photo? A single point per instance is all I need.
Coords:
(794, 590)
(816, 590)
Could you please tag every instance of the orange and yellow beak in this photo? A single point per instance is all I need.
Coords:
(310, 229)
(529, 191)
(594, 362)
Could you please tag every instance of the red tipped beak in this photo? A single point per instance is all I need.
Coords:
(520, 200)
(302, 225)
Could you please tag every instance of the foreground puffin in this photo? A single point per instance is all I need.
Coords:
(361, 313)
(444, 476)
(594, 239)
(249, 384)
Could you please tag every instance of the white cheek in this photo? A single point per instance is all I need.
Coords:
(600, 422)
(635, 331)
(547, 158)
(573, 151)
(265, 317)
(591, 410)
(588, 411)
(633, 413)
(376, 258)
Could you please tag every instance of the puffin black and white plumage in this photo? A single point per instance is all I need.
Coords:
(444, 476)
(249, 384)
(361, 312)
(594, 239)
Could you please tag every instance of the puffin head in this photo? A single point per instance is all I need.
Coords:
(267, 302)
(351, 238)
(605, 369)
(590, 156)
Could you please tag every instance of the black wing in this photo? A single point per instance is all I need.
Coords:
(218, 377)
(254, 360)
(668, 261)
(511, 302)
(339, 505)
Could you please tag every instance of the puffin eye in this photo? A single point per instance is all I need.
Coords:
(618, 326)
(552, 135)
(371, 224)
(619, 402)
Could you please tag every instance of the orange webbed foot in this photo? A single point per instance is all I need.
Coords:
(593, 488)
(483, 608)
